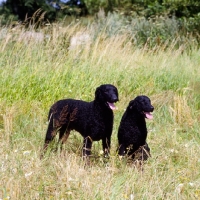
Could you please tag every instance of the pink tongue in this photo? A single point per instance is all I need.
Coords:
(111, 105)
(148, 115)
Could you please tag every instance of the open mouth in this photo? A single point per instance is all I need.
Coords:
(148, 115)
(111, 105)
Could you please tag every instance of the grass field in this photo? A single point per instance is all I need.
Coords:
(37, 72)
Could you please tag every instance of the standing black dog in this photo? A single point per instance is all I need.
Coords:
(93, 120)
(132, 131)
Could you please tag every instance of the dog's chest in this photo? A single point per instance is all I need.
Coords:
(100, 127)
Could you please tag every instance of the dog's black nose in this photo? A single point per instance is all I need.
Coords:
(115, 99)
(152, 108)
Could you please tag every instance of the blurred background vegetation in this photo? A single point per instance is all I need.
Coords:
(55, 9)
(152, 22)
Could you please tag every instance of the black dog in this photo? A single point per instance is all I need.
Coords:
(132, 131)
(93, 120)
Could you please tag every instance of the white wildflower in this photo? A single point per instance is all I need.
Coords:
(28, 174)
(26, 153)
(179, 188)
(101, 152)
(191, 184)
(132, 197)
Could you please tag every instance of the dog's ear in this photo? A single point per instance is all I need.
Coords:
(98, 93)
(131, 105)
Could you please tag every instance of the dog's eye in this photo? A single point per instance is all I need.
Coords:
(106, 92)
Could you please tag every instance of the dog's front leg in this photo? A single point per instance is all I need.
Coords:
(86, 151)
(87, 145)
(106, 146)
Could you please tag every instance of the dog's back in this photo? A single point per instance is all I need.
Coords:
(84, 117)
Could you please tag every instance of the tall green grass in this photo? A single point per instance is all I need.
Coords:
(36, 74)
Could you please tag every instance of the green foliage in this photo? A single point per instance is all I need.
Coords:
(147, 8)
(25, 10)
(149, 12)
(150, 32)
(94, 6)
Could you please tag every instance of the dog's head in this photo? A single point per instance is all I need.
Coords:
(107, 94)
(142, 104)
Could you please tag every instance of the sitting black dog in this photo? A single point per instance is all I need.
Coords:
(93, 120)
(132, 132)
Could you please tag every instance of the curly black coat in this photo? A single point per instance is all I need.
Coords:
(132, 132)
(93, 120)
